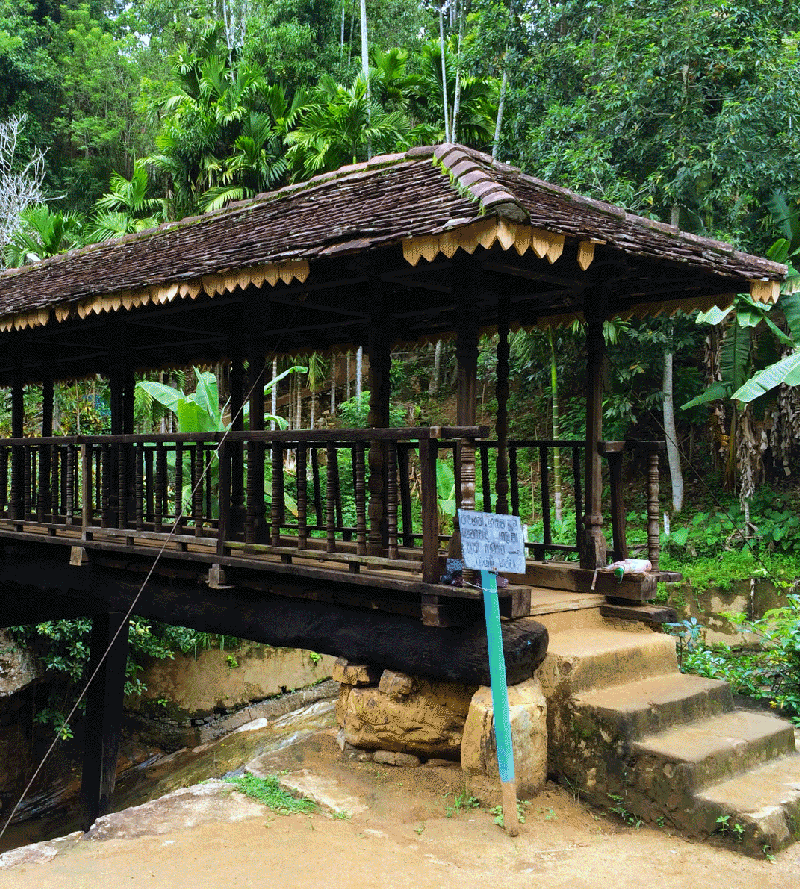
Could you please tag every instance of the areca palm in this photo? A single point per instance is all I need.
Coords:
(338, 125)
(42, 233)
(126, 207)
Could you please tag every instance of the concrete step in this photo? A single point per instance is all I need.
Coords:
(635, 709)
(581, 659)
(693, 756)
(759, 810)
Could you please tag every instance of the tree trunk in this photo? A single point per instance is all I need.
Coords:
(359, 360)
(500, 108)
(457, 97)
(557, 498)
(365, 65)
(673, 455)
(333, 386)
(444, 75)
(433, 383)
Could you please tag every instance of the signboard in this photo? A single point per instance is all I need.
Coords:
(492, 542)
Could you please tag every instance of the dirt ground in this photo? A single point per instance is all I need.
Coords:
(412, 833)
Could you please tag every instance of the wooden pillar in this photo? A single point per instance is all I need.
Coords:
(237, 454)
(43, 487)
(103, 714)
(501, 389)
(255, 451)
(18, 453)
(594, 548)
(379, 350)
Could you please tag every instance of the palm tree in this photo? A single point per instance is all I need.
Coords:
(338, 127)
(42, 233)
(126, 207)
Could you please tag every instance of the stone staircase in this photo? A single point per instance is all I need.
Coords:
(629, 732)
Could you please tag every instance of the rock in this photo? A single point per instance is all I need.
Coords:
(392, 758)
(341, 703)
(327, 793)
(356, 675)
(396, 685)
(435, 763)
(528, 713)
(427, 722)
(350, 752)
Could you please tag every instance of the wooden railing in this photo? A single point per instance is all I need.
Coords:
(353, 495)
(350, 495)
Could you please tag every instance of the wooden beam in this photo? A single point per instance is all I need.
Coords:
(102, 724)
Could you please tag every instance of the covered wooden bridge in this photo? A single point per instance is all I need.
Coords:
(430, 243)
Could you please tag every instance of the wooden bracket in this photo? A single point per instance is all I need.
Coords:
(78, 556)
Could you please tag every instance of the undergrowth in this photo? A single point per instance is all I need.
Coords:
(269, 792)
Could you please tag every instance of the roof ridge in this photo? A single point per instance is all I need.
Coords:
(468, 171)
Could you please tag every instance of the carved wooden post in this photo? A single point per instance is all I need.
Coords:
(18, 451)
(502, 409)
(255, 452)
(594, 548)
(653, 517)
(430, 513)
(161, 486)
(330, 498)
(380, 361)
(43, 499)
(277, 492)
(391, 499)
(237, 456)
(466, 395)
(302, 496)
(361, 504)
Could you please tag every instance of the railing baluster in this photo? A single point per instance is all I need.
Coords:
(486, 487)
(122, 486)
(405, 492)
(430, 511)
(224, 497)
(3, 479)
(276, 512)
(26, 484)
(148, 485)
(577, 481)
(208, 457)
(330, 498)
(360, 493)
(161, 486)
(179, 518)
(391, 499)
(138, 497)
(544, 475)
(302, 497)
(17, 480)
(105, 485)
(98, 508)
(653, 516)
(512, 461)
(316, 483)
(43, 486)
(333, 477)
(69, 507)
(197, 488)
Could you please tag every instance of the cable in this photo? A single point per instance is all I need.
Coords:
(124, 623)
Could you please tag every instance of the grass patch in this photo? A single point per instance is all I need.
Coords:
(269, 792)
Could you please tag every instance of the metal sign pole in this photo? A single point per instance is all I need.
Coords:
(502, 719)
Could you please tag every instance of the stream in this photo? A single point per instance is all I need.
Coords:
(146, 773)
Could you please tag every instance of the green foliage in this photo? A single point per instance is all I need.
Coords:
(268, 791)
(42, 232)
(770, 673)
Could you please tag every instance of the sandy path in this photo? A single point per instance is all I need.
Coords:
(403, 839)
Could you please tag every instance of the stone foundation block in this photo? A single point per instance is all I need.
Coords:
(528, 711)
(396, 685)
(356, 675)
(426, 722)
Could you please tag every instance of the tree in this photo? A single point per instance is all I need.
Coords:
(42, 232)
(21, 179)
(126, 208)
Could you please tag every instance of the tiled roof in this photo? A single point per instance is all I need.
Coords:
(383, 202)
